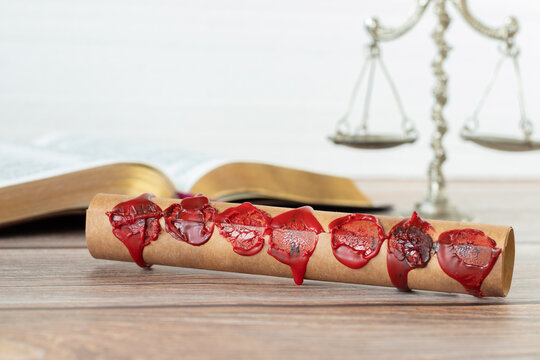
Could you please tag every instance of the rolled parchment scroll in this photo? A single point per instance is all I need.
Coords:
(409, 253)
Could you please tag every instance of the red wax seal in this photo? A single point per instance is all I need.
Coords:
(294, 238)
(244, 226)
(190, 220)
(136, 223)
(467, 255)
(409, 247)
(356, 239)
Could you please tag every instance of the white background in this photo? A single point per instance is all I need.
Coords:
(257, 80)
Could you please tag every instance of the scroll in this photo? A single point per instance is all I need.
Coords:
(406, 253)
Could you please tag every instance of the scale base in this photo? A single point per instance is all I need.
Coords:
(440, 210)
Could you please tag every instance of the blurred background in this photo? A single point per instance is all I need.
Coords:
(258, 80)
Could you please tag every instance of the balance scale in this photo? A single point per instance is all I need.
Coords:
(436, 204)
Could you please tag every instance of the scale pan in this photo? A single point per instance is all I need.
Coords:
(502, 143)
(372, 141)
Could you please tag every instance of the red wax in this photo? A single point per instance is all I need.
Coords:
(190, 220)
(244, 226)
(409, 247)
(294, 238)
(356, 239)
(136, 223)
(467, 255)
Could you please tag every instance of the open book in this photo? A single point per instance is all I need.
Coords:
(61, 173)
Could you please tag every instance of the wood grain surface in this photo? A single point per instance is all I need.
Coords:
(57, 302)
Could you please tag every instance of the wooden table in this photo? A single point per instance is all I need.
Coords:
(57, 302)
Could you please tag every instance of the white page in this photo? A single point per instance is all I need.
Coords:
(183, 167)
(23, 163)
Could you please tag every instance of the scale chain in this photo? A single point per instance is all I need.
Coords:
(525, 124)
(510, 50)
(343, 123)
(406, 123)
(471, 125)
(374, 53)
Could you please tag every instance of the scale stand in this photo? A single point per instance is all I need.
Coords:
(436, 204)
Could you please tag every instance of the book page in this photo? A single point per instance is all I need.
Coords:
(183, 167)
(23, 163)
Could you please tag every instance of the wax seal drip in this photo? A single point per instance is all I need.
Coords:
(356, 239)
(136, 224)
(467, 255)
(244, 226)
(294, 238)
(409, 247)
(190, 220)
